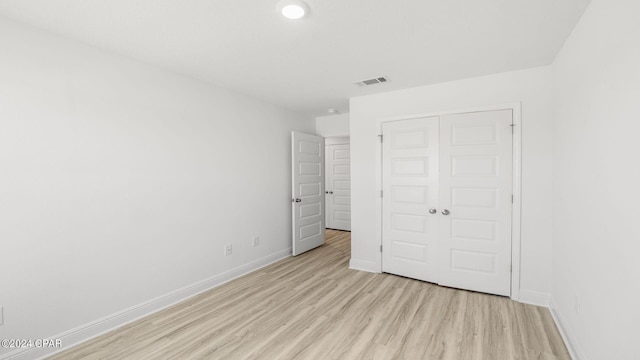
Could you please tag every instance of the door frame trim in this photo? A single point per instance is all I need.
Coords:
(516, 208)
(337, 140)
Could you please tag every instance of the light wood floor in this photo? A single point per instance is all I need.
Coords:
(313, 307)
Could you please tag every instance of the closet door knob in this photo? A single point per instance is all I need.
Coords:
(432, 211)
(445, 212)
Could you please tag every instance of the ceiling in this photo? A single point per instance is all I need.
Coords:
(310, 65)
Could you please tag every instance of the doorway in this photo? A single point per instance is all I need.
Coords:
(338, 183)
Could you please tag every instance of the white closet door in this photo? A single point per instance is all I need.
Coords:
(447, 200)
(476, 189)
(338, 187)
(410, 188)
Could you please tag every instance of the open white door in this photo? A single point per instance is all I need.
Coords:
(307, 199)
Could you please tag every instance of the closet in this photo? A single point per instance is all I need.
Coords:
(447, 199)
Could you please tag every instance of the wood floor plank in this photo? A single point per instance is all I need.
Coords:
(314, 307)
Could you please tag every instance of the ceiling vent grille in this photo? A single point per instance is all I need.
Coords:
(374, 81)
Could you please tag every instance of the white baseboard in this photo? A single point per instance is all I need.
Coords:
(534, 298)
(361, 265)
(575, 351)
(86, 332)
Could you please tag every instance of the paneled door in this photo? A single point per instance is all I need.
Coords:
(410, 192)
(307, 200)
(338, 186)
(447, 198)
(476, 192)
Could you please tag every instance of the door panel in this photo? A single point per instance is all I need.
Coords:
(410, 188)
(476, 187)
(307, 153)
(338, 187)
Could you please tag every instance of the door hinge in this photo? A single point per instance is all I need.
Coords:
(510, 268)
(512, 198)
(380, 193)
(380, 136)
(513, 126)
(380, 248)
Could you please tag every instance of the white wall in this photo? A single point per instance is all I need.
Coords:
(596, 176)
(531, 88)
(334, 125)
(120, 182)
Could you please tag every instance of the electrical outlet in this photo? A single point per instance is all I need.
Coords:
(256, 241)
(228, 250)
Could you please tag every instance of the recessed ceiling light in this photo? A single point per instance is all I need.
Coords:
(333, 111)
(293, 9)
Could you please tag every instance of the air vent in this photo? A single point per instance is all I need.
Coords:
(369, 82)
